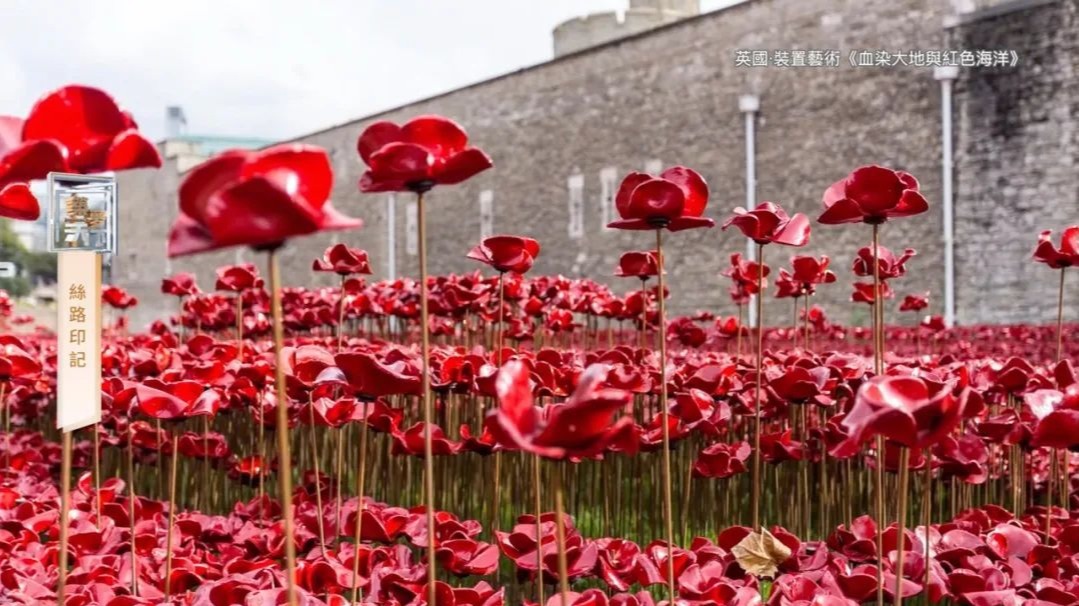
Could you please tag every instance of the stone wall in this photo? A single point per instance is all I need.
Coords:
(669, 97)
(1016, 171)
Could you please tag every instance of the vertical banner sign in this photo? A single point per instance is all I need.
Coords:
(78, 359)
(82, 228)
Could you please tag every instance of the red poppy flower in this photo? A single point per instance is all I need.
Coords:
(506, 253)
(256, 198)
(95, 133)
(426, 151)
(180, 285)
(810, 271)
(18, 202)
(904, 409)
(641, 264)
(786, 287)
(579, 427)
(722, 460)
(238, 278)
(343, 260)
(872, 194)
(117, 297)
(371, 377)
(674, 200)
(744, 273)
(888, 265)
(864, 292)
(1058, 258)
(914, 302)
(769, 223)
(22, 161)
(1057, 413)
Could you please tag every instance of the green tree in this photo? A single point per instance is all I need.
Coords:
(36, 265)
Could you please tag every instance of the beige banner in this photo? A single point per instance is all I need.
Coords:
(78, 333)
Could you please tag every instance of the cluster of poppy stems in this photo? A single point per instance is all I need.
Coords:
(590, 450)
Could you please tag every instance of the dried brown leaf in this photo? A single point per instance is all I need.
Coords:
(760, 554)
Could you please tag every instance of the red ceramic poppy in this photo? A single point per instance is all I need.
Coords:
(674, 200)
(22, 161)
(722, 460)
(864, 292)
(580, 427)
(744, 273)
(256, 198)
(768, 223)
(810, 271)
(424, 152)
(18, 202)
(904, 409)
(872, 194)
(238, 278)
(888, 265)
(343, 261)
(180, 285)
(786, 287)
(641, 264)
(1066, 255)
(117, 297)
(1057, 414)
(97, 135)
(914, 302)
(506, 253)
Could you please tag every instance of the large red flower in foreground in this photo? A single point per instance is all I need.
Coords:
(1058, 258)
(674, 200)
(424, 152)
(18, 202)
(256, 198)
(343, 260)
(769, 223)
(506, 253)
(580, 427)
(72, 129)
(96, 134)
(904, 409)
(872, 194)
(21, 160)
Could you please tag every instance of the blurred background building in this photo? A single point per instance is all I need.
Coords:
(659, 84)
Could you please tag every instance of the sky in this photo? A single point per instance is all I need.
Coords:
(271, 69)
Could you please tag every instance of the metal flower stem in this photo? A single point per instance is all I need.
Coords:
(131, 510)
(284, 452)
(341, 315)
(1060, 318)
(240, 326)
(539, 536)
(496, 496)
(668, 507)
(172, 517)
(65, 511)
(560, 536)
(428, 405)
(357, 592)
(756, 479)
(904, 479)
(97, 476)
(878, 369)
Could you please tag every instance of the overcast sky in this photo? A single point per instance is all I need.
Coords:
(271, 68)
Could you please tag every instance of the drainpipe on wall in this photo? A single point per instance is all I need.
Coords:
(947, 76)
(749, 105)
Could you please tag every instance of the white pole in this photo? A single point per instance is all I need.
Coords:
(391, 237)
(748, 105)
(947, 75)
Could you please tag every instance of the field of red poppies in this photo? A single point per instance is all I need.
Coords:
(499, 437)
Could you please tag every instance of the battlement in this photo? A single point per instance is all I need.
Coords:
(594, 29)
